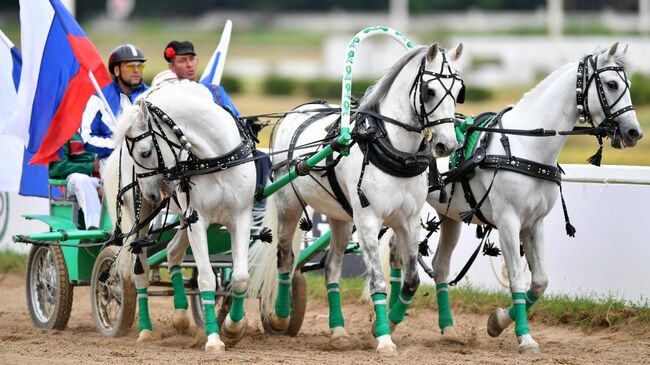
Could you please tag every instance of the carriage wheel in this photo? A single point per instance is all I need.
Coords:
(298, 298)
(48, 288)
(198, 313)
(113, 302)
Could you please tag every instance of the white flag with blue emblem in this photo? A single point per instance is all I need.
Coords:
(11, 147)
(214, 68)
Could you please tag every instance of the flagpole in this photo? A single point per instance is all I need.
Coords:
(101, 96)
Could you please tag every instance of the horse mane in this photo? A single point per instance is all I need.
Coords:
(376, 93)
(620, 59)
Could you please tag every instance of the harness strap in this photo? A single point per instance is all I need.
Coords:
(336, 187)
(471, 200)
(523, 166)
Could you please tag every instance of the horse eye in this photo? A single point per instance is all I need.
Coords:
(612, 85)
(145, 154)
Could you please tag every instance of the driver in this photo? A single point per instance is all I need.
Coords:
(126, 64)
(184, 63)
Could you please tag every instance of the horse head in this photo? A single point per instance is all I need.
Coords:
(606, 100)
(434, 94)
(148, 146)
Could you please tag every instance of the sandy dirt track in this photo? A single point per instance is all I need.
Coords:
(418, 340)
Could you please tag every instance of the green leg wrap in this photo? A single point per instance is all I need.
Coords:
(237, 308)
(530, 301)
(444, 309)
(381, 323)
(334, 300)
(211, 325)
(144, 322)
(180, 299)
(282, 302)
(519, 311)
(395, 285)
(398, 310)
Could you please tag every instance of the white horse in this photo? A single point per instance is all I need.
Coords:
(125, 261)
(416, 98)
(185, 145)
(517, 204)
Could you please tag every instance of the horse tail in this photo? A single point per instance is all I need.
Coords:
(263, 261)
(111, 184)
(384, 259)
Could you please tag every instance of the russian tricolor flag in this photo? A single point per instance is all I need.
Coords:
(12, 147)
(55, 83)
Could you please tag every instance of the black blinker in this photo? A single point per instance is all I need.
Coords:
(461, 95)
(425, 93)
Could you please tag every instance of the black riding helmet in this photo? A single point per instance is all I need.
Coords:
(122, 53)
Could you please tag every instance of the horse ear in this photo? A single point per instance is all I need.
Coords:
(612, 50)
(456, 52)
(143, 112)
(125, 102)
(625, 49)
(432, 52)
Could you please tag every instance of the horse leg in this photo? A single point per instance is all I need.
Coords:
(341, 232)
(407, 245)
(533, 241)
(509, 233)
(207, 283)
(368, 227)
(175, 254)
(288, 215)
(141, 281)
(449, 234)
(234, 325)
(395, 272)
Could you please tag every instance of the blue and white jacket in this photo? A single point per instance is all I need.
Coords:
(96, 124)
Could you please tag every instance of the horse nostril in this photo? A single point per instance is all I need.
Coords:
(633, 134)
(152, 197)
(440, 149)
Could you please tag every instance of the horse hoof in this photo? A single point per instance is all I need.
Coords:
(385, 345)
(233, 331)
(180, 320)
(278, 324)
(214, 344)
(145, 336)
(339, 332)
(450, 334)
(499, 320)
(527, 345)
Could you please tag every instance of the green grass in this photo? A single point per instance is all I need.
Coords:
(581, 311)
(12, 262)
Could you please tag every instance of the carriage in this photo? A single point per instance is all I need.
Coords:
(283, 304)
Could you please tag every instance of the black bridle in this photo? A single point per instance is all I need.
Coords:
(583, 82)
(156, 117)
(420, 92)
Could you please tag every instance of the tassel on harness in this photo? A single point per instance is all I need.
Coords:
(598, 156)
(265, 235)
